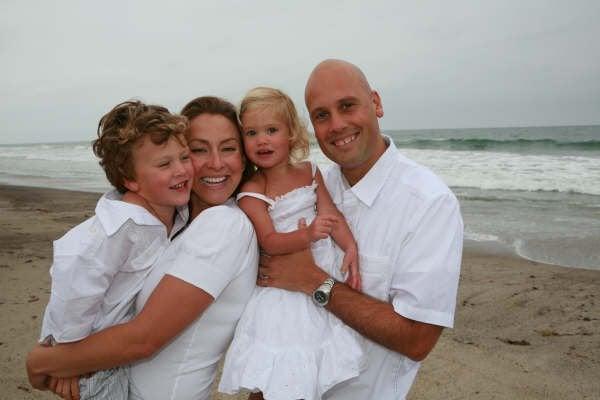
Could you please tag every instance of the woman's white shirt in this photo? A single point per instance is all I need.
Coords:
(217, 253)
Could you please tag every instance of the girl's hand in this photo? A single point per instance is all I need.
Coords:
(66, 388)
(350, 266)
(321, 227)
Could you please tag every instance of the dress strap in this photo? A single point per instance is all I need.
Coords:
(314, 169)
(259, 196)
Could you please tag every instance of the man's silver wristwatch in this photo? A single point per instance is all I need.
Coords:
(322, 293)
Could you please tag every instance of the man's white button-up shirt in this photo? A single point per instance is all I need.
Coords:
(409, 231)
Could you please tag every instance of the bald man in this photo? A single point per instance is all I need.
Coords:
(409, 231)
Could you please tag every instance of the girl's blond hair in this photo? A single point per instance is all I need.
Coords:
(283, 107)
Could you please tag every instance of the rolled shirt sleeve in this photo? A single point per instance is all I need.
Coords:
(425, 284)
(213, 248)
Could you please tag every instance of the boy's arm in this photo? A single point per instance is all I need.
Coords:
(83, 269)
(271, 241)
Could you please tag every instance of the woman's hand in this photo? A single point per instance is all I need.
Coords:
(66, 388)
(350, 266)
(38, 381)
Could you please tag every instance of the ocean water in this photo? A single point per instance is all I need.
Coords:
(534, 191)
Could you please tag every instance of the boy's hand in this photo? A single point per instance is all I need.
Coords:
(66, 388)
(321, 227)
(350, 266)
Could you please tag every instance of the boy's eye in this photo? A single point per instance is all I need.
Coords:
(163, 164)
(185, 157)
(250, 132)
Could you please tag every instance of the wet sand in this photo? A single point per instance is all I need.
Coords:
(523, 330)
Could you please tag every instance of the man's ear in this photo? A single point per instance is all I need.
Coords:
(131, 185)
(377, 102)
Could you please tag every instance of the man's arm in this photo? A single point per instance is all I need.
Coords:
(372, 318)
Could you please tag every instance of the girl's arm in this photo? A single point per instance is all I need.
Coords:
(121, 344)
(271, 241)
(340, 233)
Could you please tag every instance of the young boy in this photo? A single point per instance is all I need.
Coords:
(100, 265)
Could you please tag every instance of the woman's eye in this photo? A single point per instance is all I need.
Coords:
(229, 148)
(198, 150)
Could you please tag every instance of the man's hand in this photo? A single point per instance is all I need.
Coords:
(296, 272)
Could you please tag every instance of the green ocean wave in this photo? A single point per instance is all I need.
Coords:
(516, 145)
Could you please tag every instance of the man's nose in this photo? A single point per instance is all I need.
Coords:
(338, 123)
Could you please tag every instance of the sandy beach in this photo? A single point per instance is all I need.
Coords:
(523, 330)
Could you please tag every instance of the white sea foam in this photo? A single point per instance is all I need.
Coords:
(481, 237)
(510, 171)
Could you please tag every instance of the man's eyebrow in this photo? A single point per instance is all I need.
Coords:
(347, 98)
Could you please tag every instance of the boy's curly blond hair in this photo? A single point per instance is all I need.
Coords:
(120, 130)
(283, 107)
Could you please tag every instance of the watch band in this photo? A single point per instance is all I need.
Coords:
(322, 294)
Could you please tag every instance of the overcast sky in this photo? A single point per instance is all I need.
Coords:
(436, 64)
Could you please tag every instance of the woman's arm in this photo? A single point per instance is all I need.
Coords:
(171, 307)
(340, 233)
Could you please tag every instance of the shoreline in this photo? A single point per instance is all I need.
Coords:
(470, 245)
(523, 329)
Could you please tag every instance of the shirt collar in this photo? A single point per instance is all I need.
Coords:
(113, 213)
(367, 189)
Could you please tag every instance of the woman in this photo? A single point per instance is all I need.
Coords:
(195, 293)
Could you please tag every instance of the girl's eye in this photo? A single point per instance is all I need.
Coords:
(163, 164)
(185, 157)
(271, 130)
(250, 132)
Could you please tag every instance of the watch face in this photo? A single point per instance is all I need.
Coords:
(320, 297)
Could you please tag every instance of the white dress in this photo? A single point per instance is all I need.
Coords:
(285, 345)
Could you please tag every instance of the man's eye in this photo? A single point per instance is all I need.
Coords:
(320, 116)
(346, 106)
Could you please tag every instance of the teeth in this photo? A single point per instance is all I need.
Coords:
(214, 179)
(179, 185)
(345, 141)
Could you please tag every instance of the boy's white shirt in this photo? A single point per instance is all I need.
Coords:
(100, 265)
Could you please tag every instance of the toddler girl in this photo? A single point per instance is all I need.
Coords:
(286, 346)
